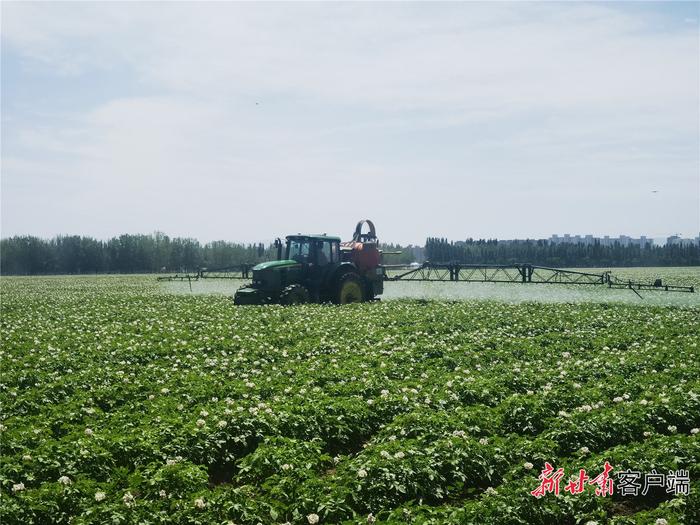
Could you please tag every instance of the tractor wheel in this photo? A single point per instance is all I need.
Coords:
(349, 289)
(294, 294)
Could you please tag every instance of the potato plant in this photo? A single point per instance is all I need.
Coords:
(123, 403)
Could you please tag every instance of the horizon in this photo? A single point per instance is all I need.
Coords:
(654, 240)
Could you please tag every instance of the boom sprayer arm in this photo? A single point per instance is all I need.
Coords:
(524, 273)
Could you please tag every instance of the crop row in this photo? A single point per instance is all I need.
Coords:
(122, 403)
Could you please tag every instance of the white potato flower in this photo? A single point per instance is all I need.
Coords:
(128, 499)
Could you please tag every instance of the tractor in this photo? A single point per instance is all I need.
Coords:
(318, 269)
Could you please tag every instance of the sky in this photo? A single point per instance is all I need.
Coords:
(247, 121)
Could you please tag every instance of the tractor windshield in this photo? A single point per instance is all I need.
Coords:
(298, 250)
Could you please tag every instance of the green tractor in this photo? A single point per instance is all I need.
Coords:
(318, 269)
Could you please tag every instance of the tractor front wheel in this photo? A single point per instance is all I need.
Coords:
(349, 289)
(294, 294)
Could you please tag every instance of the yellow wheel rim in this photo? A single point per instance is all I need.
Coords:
(350, 293)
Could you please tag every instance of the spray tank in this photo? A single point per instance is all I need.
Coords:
(363, 249)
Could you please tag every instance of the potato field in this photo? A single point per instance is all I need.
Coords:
(123, 402)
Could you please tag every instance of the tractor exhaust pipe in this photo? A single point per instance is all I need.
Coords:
(278, 245)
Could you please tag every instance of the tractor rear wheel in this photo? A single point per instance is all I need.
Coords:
(349, 289)
(294, 294)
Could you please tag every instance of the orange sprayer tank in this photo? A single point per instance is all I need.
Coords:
(365, 255)
(363, 250)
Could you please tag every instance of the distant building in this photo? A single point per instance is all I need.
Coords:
(606, 240)
(589, 240)
(680, 241)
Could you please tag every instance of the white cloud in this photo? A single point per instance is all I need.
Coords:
(438, 110)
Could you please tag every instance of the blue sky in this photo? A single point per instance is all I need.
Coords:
(248, 121)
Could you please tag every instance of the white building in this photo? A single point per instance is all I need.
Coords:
(623, 240)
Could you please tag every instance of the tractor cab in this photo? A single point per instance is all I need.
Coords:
(315, 250)
(318, 255)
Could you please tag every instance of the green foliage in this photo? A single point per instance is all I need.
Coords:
(123, 404)
(27, 255)
(72, 254)
(546, 253)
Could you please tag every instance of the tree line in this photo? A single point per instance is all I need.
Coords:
(28, 255)
(546, 253)
(73, 254)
